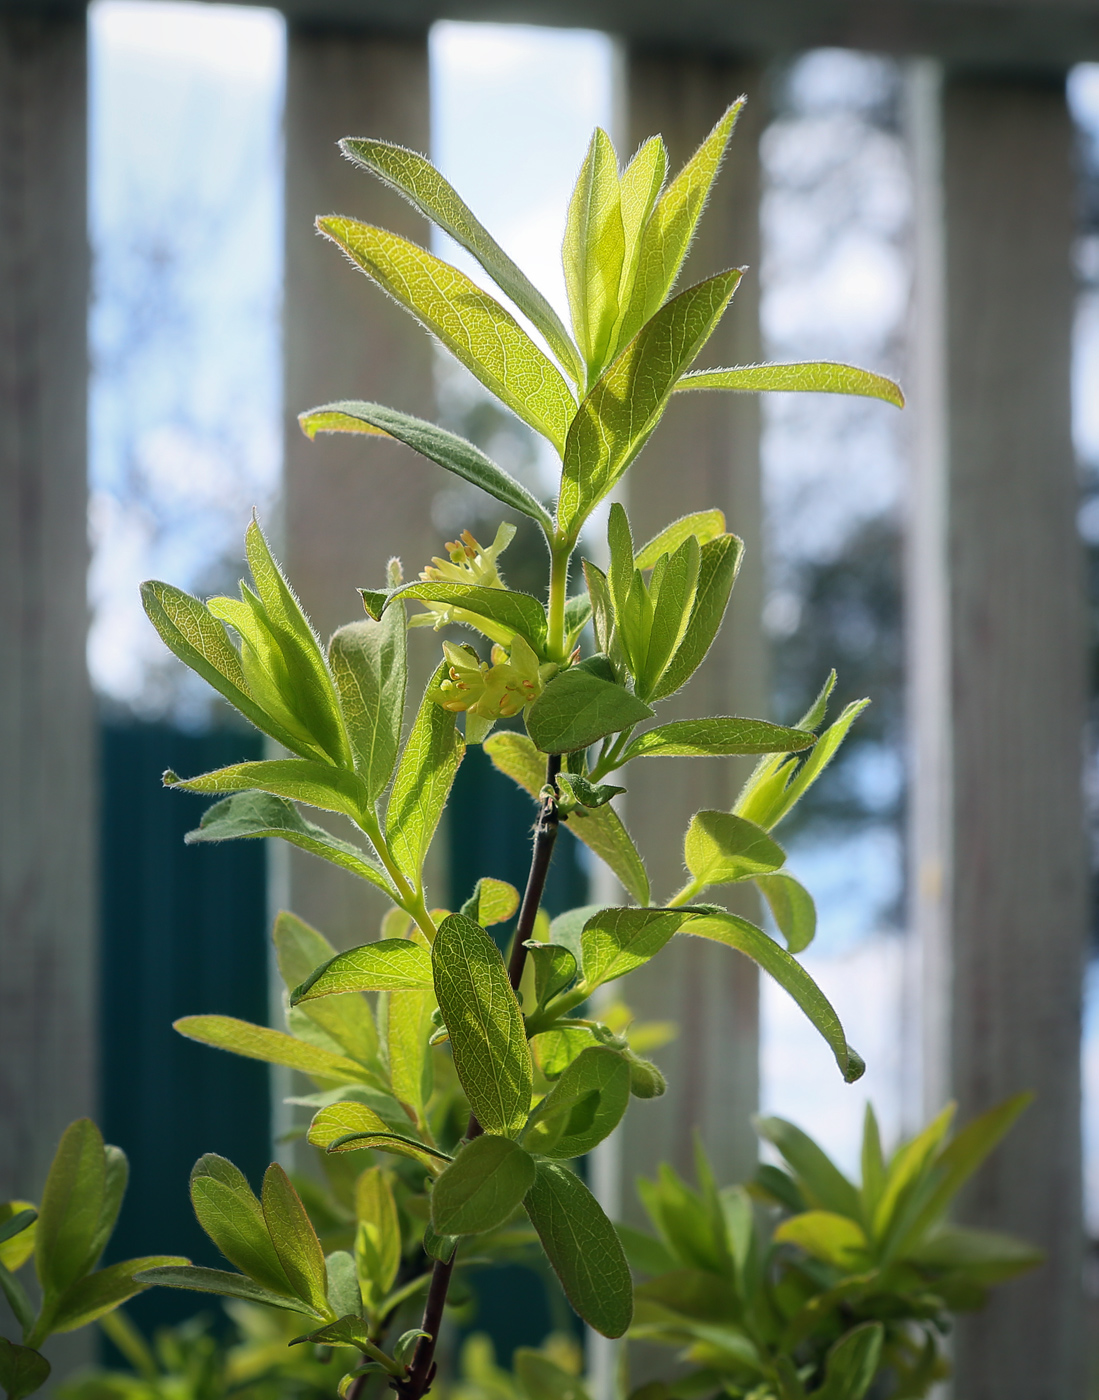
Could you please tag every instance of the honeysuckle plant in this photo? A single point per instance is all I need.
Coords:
(485, 1078)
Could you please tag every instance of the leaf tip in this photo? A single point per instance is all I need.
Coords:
(856, 1066)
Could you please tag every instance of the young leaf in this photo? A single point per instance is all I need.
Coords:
(767, 803)
(788, 973)
(583, 1248)
(295, 1240)
(22, 1369)
(721, 848)
(641, 183)
(352, 1331)
(814, 377)
(704, 738)
(492, 902)
(420, 183)
(482, 1016)
(583, 1107)
(482, 1187)
(554, 969)
(673, 587)
(576, 791)
(717, 571)
(446, 449)
(348, 1020)
(344, 1294)
(835, 1239)
(276, 1047)
(258, 814)
(615, 941)
(822, 1184)
(602, 830)
(668, 233)
(499, 613)
(378, 1234)
(791, 907)
(298, 779)
(577, 708)
(408, 1028)
(618, 416)
(853, 1363)
(226, 1285)
(229, 1212)
(94, 1295)
(602, 610)
(369, 667)
(388, 965)
(351, 1127)
(703, 525)
(431, 756)
(593, 251)
(68, 1239)
(190, 630)
(577, 617)
(472, 325)
(555, 1050)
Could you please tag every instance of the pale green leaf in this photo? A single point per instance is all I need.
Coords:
(390, 964)
(577, 617)
(408, 1029)
(718, 568)
(482, 1187)
(276, 1047)
(298, 779)
(555, 1050)
(767, 802)
(68, 1240)
(672, 589)
(593, 251)
(99, 1293)
(703, 525)
(617, 417)
(792, 909)
(814, 377)
(418, 180)
(704, 738)
(377, 1234)
(348, 1020)
(295, 1240)
(482, 1015)
(473, 326)
(543, 1379)
(253, 814)
(835, 1239)
(720, 848)
(431, 756)
(640, 186)
(225, 1285)
(17, 1233)
(986, 1256)
(615, 941)
(368, 663)
(584, 1106)
(789, 974)
(492, 902)
(852, 1363)
(577, 708)
(344, 1294)
(229, 1211)
(351, 1127)
(499, 613)
(601, 831)
(446, 449)
(22, 1369)
(583, 1248)
(554, 969)
(821, 1182)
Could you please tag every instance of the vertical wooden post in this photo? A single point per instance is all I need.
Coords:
(350, 504)
(997, 665)
(705, 454)
(47, 742)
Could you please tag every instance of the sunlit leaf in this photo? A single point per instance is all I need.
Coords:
(813, 377)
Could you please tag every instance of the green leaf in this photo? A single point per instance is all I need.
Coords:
(641, 183)
(224, 1284)
(472, 325)
(298, 779)
(431, 756)
(295, 1240)
(275, 1047)
(583, 1248)
(601, 831)
(577, 708)
(351, 1127)
(348, 1020)
(617, 417)
(408, 1028)
(721, 848)
(485, 1024)
(577, 617)
(16, 1220)
(99, 1293)
(68, 1240)
(717, 571)
(767, 804)
(821, 1182)
(593, 251)
(836, 1239)
(792, 909)
(554, 969)
(668, 233)
(602, 612)
(18, 1301)
(344, 1295)
(789, 974)
(584, 1106)
(377, 1235)
(985, 1256)
(482, 1187)
(492, 902)
(420, 183)
(257, 814)
(543, 1379)
(499, 613)
(615, 941)
(190, 630)
(352, 1331)
(809, 376)
(853, 1363)
(446, 449)
(576, 791)
(22, 1369)
(439, 1247)
(704, 738)
(555, 1050)
(229, 1212)
(390, 964)
(672, 590)
(370, 670)
(703, 525)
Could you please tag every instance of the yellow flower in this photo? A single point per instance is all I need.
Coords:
(513, 681)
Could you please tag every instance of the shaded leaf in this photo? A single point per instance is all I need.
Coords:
(229, 1211)
(370, 670)
(500, 613)
(344, 1296)
(584, 1106)
(554, 969)
(68, 1241)
(99, 1293)
(431, 756)
(853, 1363)
(378, 1234)
(482, 1187)
(820, 1181)
(299, 779)
(717, 571)
(808, 376)
(348, 1020)
(295, 1240)
(701, 738)
(792, 908)
(720, 848)
(224, 1284)
(577, 708)
(22, 1369)
(351, 1331)
(408, 1029)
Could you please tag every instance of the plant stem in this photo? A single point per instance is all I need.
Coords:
(422, 1371)
(558, 587)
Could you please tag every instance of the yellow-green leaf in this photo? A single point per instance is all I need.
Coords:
(593, 250)
(276, 1047)
(431, 756)
(807, 377)
(295, 1240)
